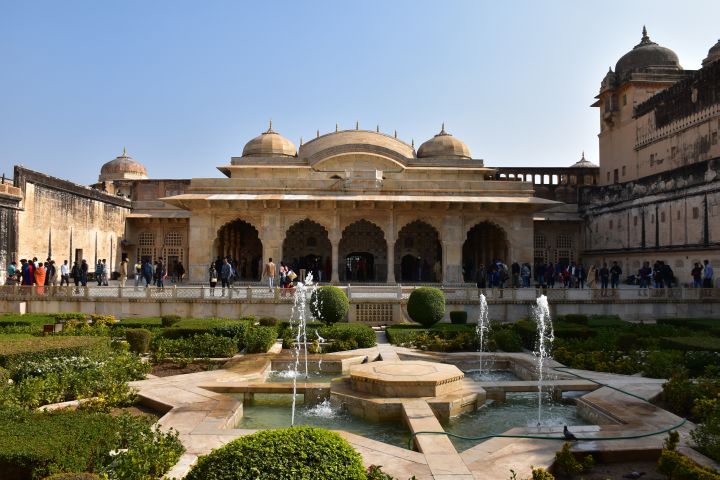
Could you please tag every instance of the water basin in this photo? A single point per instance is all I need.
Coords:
(273, 411)
(519, 410)
(312, 377)
(491, 375)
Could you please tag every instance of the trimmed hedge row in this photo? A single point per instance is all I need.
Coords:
(259, 339)
(36, 348)
(704, 344)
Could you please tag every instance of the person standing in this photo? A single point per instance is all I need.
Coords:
(604, 276)
(11, 273)
(592, 276)
(98, 272)
(123, 271)
(697, 275)
(76, 273)
(581, 275)
(105, 272)
(615, 272)
(213, 278)
(84, 269)
(707, 275)
(40, 274)
(52, 274)
(525, 274)
(179, 272)
(644, 275)
(138, 273)
(269, 271)
(515, 270)
(147, 273)
(161, 273)
(64, 274)
(225, 273)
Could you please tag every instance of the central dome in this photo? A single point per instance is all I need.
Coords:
(269, 144)
(444, 145)
(123, 167)
(647, 54)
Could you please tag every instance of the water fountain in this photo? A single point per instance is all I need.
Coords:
(298, 318)
(543, 345)
(483, 327)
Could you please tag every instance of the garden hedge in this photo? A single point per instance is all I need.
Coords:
(259, 339)
(139, 339)
(169, 320)
(329, 304)
(21, 350)
(707, 344)
(426, 306)
(363, 335)
(296, 453)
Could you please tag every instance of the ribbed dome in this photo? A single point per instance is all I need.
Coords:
(713, 54)
(647, 54)
(123, 167)
(583, 163)
(269, 144)
(443, 145)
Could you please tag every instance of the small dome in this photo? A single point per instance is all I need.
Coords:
(713, 54)
(647, 54)
(269, 144)
(583, 163)
(443, 145)
(123, 167)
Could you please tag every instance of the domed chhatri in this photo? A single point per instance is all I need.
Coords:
(123, 167)
(647, 54)
(269, 144)
(713, 54)
(444, 145)
(583, 163)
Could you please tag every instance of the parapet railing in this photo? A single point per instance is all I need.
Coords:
(356, 293)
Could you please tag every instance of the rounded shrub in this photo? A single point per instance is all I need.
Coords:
(139, 339)
(426, 306)
(169, 320)
(458, 317)
(296, 453)
(329, 304)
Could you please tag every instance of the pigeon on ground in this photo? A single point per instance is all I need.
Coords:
(568, 435)
(634, 475)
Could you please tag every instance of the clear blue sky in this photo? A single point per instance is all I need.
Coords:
(184, 85)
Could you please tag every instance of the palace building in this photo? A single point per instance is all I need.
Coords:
(365, 206)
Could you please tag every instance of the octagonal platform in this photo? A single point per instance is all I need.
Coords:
(406, 379)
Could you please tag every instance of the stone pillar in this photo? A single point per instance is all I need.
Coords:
(391, 238)
(452, 242)
(201, 235)
(335, 244)
(391, 260)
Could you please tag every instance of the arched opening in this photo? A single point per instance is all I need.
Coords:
(307, 248)
(418, 253)
(240, 241)
(363, 253)
(485, 244)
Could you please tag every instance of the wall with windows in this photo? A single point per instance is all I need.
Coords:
(557, 242)
(152, 239)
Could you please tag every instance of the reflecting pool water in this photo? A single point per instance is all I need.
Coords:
(273, 411)
(519, 410)
(491, 375)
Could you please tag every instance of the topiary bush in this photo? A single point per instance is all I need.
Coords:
(296, 453)
(426, 306)
(139, 339)
(259, 339)
(169, 320)
(458, 317)
(329, 304)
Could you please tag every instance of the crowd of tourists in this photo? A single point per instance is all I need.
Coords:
(576, 275)
(43, 274)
